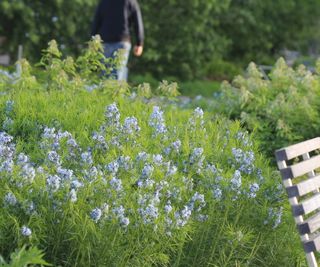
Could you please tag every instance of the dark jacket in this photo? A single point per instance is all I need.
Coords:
(114, 18)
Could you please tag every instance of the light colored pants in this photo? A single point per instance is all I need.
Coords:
(110, 51)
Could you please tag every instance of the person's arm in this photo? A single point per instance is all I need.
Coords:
(97, 20)
(138, 28)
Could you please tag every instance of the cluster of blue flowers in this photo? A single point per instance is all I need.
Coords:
(96, 214)
(244, 160)
(8, 112)
(274, 216)
(10, 199)
(196, 122)
(145, 188)
(112, 116)
(26, 231)
(157, 121)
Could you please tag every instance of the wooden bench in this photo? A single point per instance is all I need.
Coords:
(298, 164)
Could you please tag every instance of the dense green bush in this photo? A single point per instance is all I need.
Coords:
(33, 23)
(259, 29)
(181, 36)
(282, 110)
(92, 182)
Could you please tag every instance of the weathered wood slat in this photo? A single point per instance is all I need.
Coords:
(301, 168)
(312, 245)
(298, 149)
(305, 187)
(307, 206)
(310, 225)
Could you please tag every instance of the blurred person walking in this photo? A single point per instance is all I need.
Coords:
(113, 21)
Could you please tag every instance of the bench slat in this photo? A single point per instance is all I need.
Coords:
(301, 168)
(296, 150)
(307, 206)
(310, 225)
(304, 187)
(312, 245)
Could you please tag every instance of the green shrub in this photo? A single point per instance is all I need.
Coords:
(33, 23)
(94, 176)
(222, 70)
(24, 257)
(282, 110)
(259, 30)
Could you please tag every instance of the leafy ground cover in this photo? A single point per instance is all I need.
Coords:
(94, 175)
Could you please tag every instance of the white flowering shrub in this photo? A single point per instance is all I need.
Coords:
(282, 109)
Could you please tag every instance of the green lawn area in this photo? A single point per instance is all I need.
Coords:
(205, 88)
(199, 87)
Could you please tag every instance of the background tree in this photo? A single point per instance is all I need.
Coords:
(184, 38)
(259, 29)
(182, 35)
(35, 23)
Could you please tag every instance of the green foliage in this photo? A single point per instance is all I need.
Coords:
(214, 199)
(219, 70)
(199, 87)
(181, 36)
(33, 23)
(259, 29)
(167, 89)
(23, 258)
(282, 110)
(193, 88)
(184, 38)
